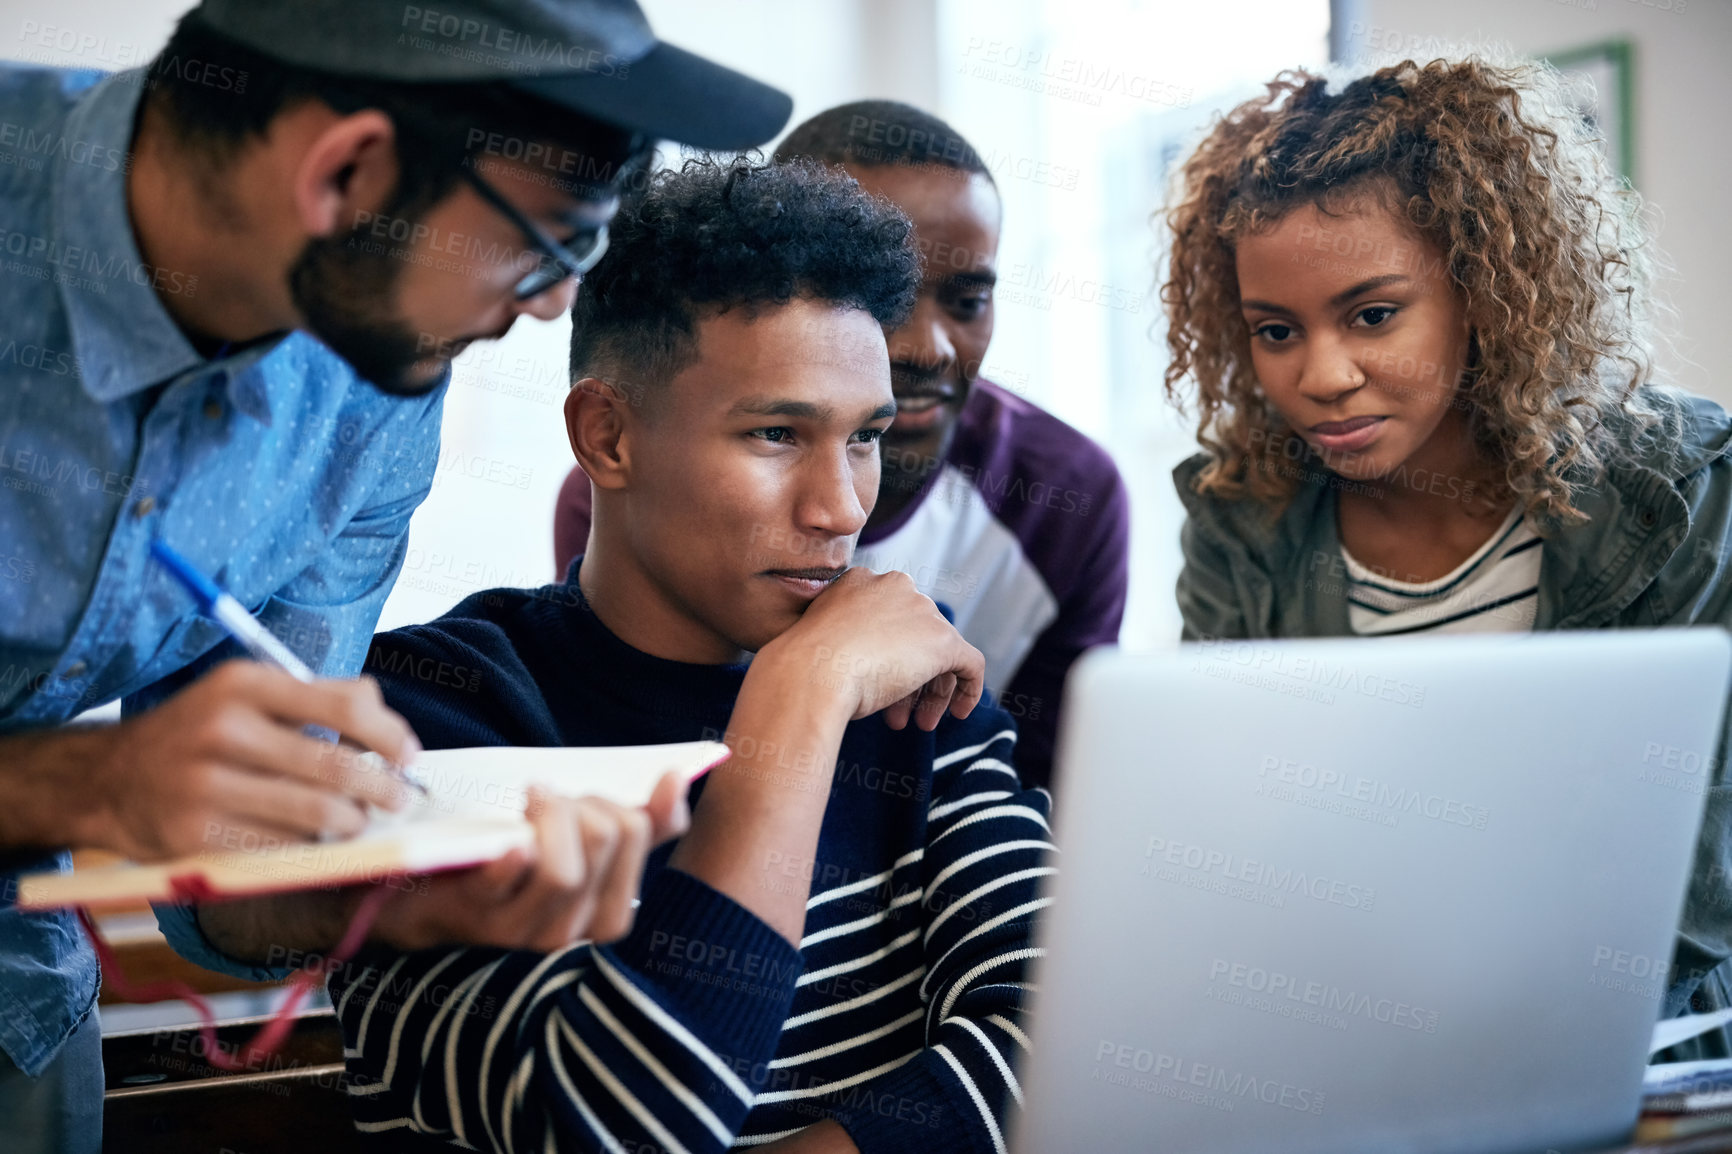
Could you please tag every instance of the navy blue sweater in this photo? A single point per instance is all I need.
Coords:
(898, 1015)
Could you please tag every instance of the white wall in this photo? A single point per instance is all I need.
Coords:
(1081, 106)
(1683, 134)
(106, 34)
(821, 52)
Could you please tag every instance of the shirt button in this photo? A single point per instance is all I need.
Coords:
(213, 408)
(1647, 518)
(143, 508)
(76, 669)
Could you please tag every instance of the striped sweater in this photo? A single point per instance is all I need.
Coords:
(898, 1015)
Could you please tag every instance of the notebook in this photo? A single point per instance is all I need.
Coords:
(473, 813)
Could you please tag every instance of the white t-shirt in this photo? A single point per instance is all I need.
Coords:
(1494, 591)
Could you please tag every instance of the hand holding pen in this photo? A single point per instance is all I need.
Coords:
(222, 608)
(246, 629)
(227, 763)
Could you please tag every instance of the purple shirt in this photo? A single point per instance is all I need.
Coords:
(1023, 532)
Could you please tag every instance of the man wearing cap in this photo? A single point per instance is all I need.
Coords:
(234, 283)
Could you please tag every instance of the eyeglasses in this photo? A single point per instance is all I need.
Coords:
(559, 261)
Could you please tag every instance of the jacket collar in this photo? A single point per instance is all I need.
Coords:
(1637, 518)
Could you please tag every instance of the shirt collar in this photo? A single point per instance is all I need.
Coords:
(124, 337)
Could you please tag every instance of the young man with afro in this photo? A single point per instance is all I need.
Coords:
(832, 959)
(994, 506)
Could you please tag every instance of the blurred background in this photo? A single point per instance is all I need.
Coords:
(1082, 108)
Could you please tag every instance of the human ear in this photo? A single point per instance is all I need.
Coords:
(348, 171)
(596, 421)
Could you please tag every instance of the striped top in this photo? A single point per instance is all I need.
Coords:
(1494, 591)
(899, 1014)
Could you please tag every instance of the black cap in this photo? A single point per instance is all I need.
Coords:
(597, 57)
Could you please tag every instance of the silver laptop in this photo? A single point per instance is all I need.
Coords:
(1356, 895)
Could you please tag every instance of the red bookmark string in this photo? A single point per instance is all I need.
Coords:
(271, 1036)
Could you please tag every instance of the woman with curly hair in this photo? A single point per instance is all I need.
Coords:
(1414, 312)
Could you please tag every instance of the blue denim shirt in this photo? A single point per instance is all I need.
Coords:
(276, 469)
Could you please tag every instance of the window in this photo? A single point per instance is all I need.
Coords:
(1083, 109)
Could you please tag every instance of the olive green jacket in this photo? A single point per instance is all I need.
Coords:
(1656, 550)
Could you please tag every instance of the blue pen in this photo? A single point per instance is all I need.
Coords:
(222, 607)
(213, 602)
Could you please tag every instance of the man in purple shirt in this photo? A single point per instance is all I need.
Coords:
(995, 507)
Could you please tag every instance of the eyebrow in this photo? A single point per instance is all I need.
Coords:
(802, 410)
(984, 279)
(1339, 298)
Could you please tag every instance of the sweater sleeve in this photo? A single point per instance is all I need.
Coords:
(647, 1044)
(985, 865)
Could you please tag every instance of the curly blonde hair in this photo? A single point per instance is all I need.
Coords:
(1488, 163)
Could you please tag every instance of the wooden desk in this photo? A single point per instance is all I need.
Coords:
(161, 1097)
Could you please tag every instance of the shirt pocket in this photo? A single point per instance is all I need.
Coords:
(188, 639)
